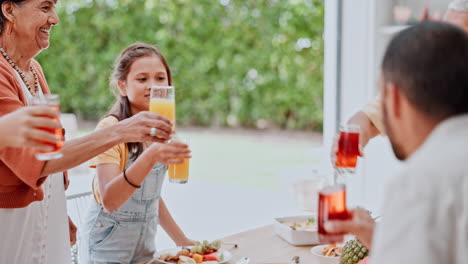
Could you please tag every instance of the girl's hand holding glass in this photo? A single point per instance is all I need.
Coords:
(173, 152)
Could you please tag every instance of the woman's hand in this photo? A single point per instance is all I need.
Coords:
(360, 224)
(138, 128)
(20, 128)
(170, 153)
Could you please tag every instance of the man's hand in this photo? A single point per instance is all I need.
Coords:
(360, 224)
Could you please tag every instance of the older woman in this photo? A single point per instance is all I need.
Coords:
(32, 200)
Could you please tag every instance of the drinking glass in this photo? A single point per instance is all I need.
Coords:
(306, 193)
(348, 148)
(179, 173)
(332, 206)
(51, 100)
(162, 101)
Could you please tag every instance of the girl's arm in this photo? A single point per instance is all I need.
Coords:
(113, 187)
(171, 227)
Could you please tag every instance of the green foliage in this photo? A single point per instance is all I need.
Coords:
(234, 62)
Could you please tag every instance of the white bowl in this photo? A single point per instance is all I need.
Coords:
(296, 237)
(317, 252)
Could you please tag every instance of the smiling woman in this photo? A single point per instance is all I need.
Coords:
(25, 31)
(32, 198)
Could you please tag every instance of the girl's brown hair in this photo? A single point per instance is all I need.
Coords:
(121, 109)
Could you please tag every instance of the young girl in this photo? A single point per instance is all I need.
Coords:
(121, 223)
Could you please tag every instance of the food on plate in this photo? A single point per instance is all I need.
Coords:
(205, 247)
(169, 258)
(197, 257)
(184, 252)
(353, 252)
(202, 252)
(332, 250)
(186, 260)
(308, 223)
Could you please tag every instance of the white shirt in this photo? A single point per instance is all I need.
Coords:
(39, 232)
(425, 217)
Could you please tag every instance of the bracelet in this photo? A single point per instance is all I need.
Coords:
(126, 179)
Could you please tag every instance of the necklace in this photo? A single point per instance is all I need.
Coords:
(22, 74)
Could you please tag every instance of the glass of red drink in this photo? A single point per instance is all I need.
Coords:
(53, 101)
(332, 206)
(348, 148)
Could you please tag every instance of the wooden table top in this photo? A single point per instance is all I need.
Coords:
(262, 246)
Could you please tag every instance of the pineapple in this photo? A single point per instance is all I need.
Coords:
(353, 252)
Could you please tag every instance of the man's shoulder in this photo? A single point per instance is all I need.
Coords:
(436, 164)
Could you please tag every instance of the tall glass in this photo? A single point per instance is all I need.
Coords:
(179, 173)
(51, 100)
(332, 206)
(348, 148)
(163, 101)
(306, 193)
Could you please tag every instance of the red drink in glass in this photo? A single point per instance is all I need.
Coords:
(51, 100)
(332, 206)
(57, 146)
(348, 148)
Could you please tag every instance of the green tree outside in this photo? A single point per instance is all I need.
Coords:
(235, 62)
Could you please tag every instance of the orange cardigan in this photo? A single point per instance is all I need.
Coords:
(20, 180)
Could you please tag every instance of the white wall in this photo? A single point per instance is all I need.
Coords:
(330, 73)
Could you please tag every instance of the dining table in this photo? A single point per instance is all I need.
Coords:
(262, 245)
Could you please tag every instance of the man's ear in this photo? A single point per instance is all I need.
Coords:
(393, 99)
(122, 88)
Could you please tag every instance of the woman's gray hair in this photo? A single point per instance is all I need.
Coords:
(459, 5)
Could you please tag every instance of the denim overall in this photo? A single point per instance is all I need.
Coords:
(128, 234)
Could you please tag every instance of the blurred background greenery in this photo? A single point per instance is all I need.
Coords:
(241, 63)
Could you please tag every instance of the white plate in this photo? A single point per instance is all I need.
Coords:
(317, 252)
(296, 237)
(173, 251)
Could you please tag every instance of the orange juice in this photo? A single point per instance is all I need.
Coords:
(165, 107)
(179, 172)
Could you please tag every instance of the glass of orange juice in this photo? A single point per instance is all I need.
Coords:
(179, 173)
(163, 101)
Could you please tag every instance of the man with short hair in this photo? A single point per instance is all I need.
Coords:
(424, 86)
